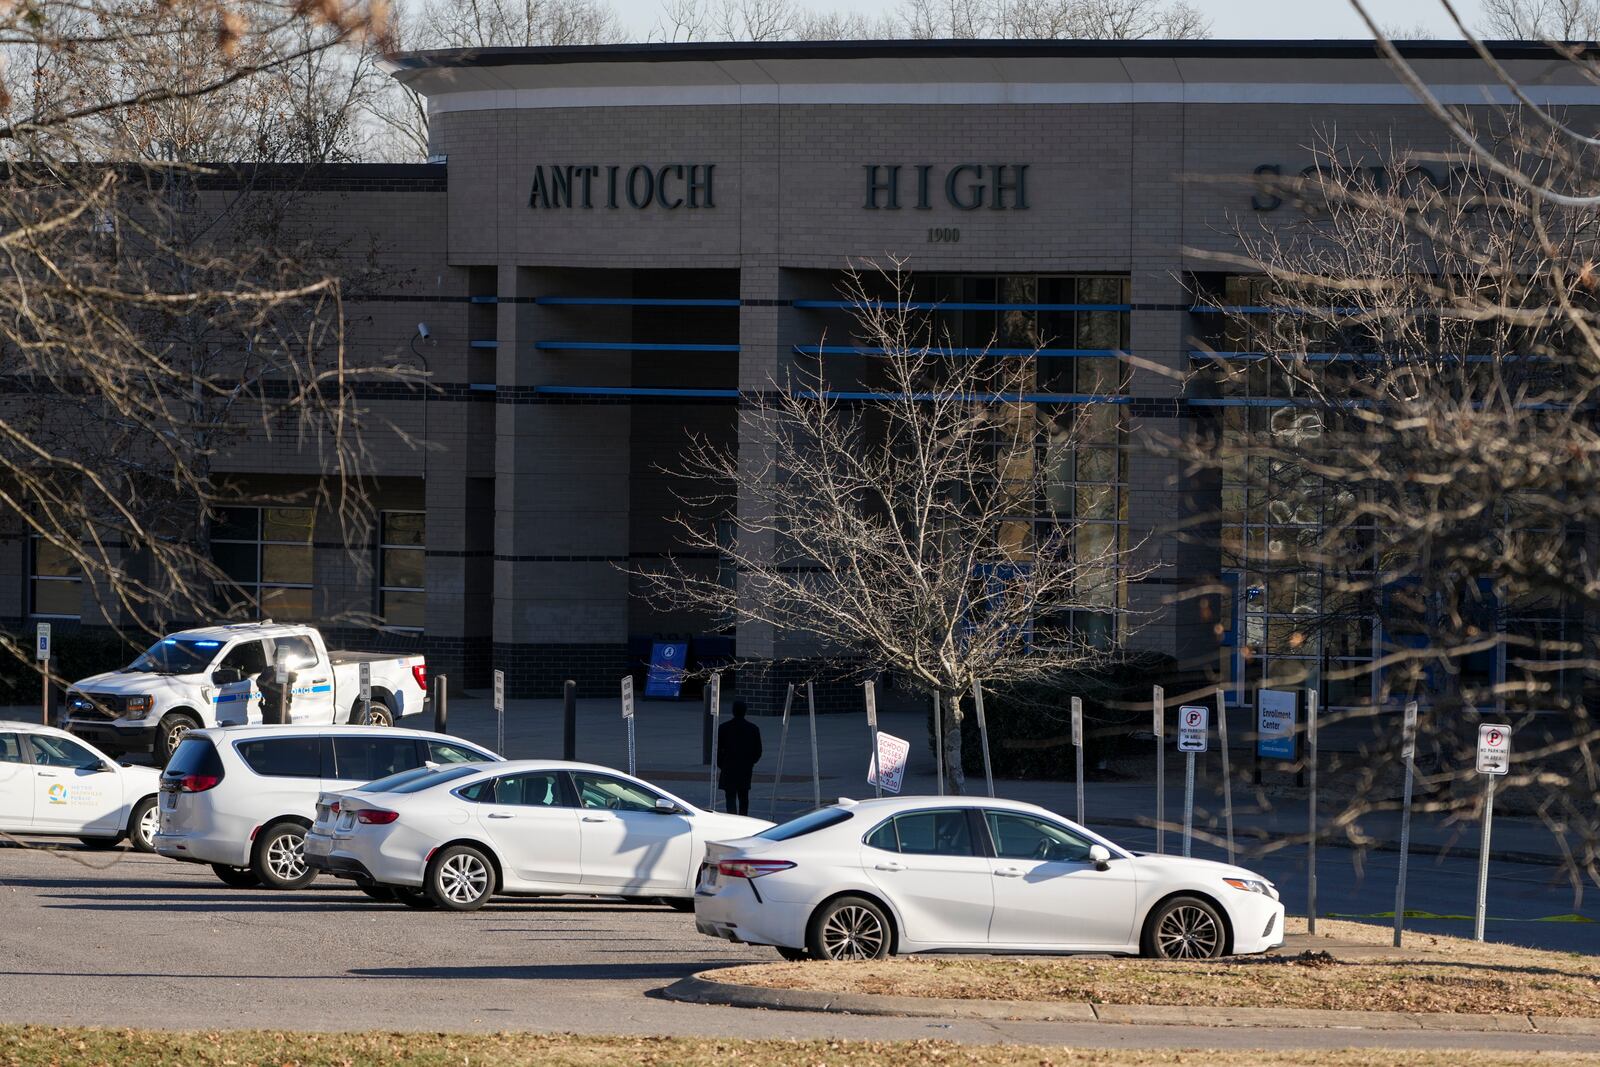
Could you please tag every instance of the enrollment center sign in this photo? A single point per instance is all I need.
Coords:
(1275, 724)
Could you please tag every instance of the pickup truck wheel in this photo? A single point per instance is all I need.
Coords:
(279, 859)
(171, 731)
(142, 825)
(380, 714)
(236, 877)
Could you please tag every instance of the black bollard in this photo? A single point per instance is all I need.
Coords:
(441, 704)
(569, 720)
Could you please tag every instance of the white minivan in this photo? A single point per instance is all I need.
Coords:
(241, 798)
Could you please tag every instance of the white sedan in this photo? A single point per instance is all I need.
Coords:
(55, 784)
(923, 874)
(457, 836)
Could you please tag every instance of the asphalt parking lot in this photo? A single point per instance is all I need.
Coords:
(122, 939)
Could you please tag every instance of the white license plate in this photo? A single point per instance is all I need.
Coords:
(708, 877)
(169, 802)
(347, 820)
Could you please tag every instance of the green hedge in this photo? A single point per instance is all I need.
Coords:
(1030, 726)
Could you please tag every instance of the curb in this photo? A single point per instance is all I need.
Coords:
(701, 989)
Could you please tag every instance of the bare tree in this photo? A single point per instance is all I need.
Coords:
(1541, 20)
(399, 116)
(908, 525)
(147, 327)
(1054, 19)
(1407, 484)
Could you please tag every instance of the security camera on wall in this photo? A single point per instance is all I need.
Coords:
(422, 331)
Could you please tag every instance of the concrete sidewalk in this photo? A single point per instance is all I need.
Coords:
(669, 750)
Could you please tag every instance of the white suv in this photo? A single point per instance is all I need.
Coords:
(242, 797)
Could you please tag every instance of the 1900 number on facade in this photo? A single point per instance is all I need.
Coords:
(943, 235)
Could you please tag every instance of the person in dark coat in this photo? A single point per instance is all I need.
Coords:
(738, 752)
(275, 698)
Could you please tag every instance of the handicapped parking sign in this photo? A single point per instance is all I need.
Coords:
(665, 677)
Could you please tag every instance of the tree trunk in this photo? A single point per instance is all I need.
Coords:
(950, 708)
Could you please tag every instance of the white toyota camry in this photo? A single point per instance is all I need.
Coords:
(458, 835)
(921, 874)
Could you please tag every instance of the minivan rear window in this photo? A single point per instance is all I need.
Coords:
(283, 757)
(366, 759)
(806, 824)
(195, 755)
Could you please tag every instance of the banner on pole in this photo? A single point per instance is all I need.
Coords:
(1194, 725)
(1275, 724)
(893, 752)
(665, 677)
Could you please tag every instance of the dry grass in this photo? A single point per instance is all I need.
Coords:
(36, 1046)
(1432, 974)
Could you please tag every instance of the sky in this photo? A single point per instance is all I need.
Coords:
(1229, 18)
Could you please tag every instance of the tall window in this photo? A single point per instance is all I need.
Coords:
(268, 554)
(55, 583)
(402, 563)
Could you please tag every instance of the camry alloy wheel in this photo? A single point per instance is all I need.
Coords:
(463, 878)
(286, 856)
(1188, 932)
(852, 933)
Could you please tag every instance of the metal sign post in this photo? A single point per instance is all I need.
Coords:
(783, 743)
(872, 726)
(1193, 736)
(1158, 726)
(816, 772)
(41, 652)
(1408, 756)
(983, 734)
(714, 711)
(1227, 770)
(1311, 812)
(364, 680)
(627, 716)
(500, 712)
(280, 671)
(938, 742)
(1494, 759)
(1077, 745)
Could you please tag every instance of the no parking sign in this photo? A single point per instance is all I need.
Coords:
(1494, 748)
(1194, 722)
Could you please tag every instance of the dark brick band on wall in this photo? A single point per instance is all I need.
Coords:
(764, 687)
(540, 670)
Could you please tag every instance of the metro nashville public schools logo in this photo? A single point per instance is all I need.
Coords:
(58, 794)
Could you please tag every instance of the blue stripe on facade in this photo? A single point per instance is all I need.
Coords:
(627, 346)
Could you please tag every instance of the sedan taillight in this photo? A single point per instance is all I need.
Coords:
(751, 868)
(376, 816)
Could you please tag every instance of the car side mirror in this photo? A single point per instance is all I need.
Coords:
(1100, 856)
(666, 807)
(226, 676)
(100, 767)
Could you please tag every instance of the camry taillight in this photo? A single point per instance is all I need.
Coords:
(376, 816)
(751, 868)
(420, 673)
(198, 783)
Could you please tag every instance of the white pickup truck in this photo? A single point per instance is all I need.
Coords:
(208, 677)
